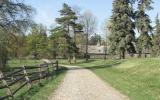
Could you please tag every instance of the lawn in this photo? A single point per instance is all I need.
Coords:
(139, 79)
(20, 63)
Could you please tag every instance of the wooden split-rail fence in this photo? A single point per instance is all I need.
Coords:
(19, 77)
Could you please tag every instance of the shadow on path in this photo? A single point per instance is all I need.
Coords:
(94, 67)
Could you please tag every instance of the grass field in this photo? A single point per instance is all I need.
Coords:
(37, 92)
(139, 79)
(20, 63)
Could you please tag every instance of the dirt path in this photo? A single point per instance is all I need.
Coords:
(82, 84)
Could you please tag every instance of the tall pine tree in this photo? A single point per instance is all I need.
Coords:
(122, 28)
(156, 38)
(68, 22)
(143, 22)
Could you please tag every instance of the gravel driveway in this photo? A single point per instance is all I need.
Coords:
(82, 84)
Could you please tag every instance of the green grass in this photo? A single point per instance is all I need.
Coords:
(139, 79)
(43, 91)
(37, 92)
(20, 63)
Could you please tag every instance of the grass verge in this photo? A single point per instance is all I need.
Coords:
(37, 92)
(43, 91)
(139, 79)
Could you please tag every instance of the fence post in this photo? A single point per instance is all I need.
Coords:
(52, 70)
(48, 70)
(26, 77)
(12, 77)
(9, 92)
(40, 73)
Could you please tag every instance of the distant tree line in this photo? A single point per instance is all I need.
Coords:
(20, 37)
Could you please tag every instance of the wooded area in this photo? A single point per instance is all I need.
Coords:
(21, 37)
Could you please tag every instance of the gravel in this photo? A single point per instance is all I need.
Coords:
(82, 84)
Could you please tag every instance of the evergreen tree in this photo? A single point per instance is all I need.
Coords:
(122, 28)
(156, 39)
(68, 22)
(143, 22)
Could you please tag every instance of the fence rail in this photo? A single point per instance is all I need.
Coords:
(23, 76)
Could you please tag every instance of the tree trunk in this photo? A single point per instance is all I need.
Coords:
(120, 55)
(139, 54)
(74, 54)
(105, 51)
(105, 56)
(69, 60)
(123, 54)
(86, 47)
(54, 55)
(1, 63)
(74, 59)
(145, 54)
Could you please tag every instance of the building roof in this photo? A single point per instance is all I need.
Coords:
(93, 49)
(96, 49)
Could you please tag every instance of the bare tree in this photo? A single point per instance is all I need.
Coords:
(88, 20)
(106, 30)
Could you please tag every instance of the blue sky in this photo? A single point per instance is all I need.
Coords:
(47, 10)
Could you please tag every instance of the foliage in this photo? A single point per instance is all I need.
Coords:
(37, 41)
(95, 39)
(62, 44)
(122, 30)
(143, 21)
(15, 16)
(67, 21)
(3, 55)
(156, 39)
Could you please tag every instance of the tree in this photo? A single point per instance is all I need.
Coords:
(88, 20)
(14, 14)
(107, 31)
(122, 30)
(156, 39)
(68, 22)
(61, 43)
(95, 39)
(37, 41)
(16, 45)
(3, 50)
(58, 43)
(143, 22)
